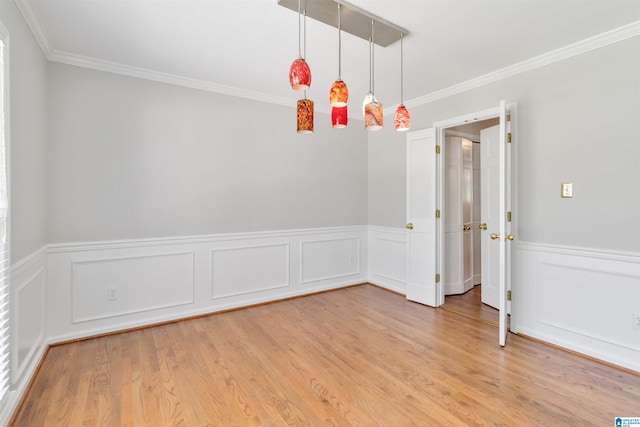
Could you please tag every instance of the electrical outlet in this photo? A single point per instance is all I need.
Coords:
(112, 294)
(636, 321)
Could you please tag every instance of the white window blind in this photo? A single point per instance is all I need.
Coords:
(4, 241)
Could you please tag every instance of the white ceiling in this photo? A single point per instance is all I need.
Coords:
(245, 47)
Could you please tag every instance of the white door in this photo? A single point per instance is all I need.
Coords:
(458, 201)
(489, 208)
(421, 218)
(496, 233)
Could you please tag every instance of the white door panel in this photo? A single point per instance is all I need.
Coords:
(421, 219)
(496, 178)
(489, 207)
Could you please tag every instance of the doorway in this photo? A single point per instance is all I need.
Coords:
(426, 255)
(462, 222)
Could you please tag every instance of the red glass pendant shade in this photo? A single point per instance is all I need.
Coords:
(402, 119)
(339, 94)
(339, 117)
(373, 116)
(305, 116)
(300, 75)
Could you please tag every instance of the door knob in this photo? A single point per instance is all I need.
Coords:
(483, 226)
(510, 237)
(409, 226)
(466, 227)
(495, 236)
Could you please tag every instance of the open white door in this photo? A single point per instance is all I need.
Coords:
(494, 206)
(490, 214)
(503, 234)
(421, 218)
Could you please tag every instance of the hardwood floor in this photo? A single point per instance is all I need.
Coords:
(470, 305)
(359, 356)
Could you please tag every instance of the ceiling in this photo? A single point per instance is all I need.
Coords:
(245, 47)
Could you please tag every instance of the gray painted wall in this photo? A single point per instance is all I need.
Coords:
(578, 120)
(130, 158)
(28, 92)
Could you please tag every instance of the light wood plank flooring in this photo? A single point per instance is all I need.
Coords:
(470, 305)
(359, 356)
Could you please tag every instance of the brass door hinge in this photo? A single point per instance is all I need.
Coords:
(438, 278)
(508, 295)
(509, 216)
(437, 149)
(509, 137)
(437, 213)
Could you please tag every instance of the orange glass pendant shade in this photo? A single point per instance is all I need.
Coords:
(300, 75)
(339, 117)
(305, 116)
(373, 116)
(339, 94)
(402, 119)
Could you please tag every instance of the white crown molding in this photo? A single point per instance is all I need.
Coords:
(595, 42)
(34, 24)
(578, 48)
(147, 74)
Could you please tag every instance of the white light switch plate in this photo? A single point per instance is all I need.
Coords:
(566, 190)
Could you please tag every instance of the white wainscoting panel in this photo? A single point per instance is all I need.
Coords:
(388, 258)
(140, 283)
(230, 275)
(159, 280)
(580, 299)
(326, 259)
(27, 316)
(29, 310)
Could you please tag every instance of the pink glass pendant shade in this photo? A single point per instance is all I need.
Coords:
(305, 116)
(300, 75)
(339, 117)
(373, 116)
(402, 119)
(339, 94)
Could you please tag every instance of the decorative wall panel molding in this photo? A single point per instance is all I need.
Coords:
(580, 299)
(109, 287)
(100, 287)
(388, 258)
(326, 259)
(28, 328)
(28, 317)
(230, 275)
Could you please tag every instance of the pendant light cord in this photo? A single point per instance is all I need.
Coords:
(373, 64)
(339, 45)
(299, 31)
(305, 31)
(401, 70)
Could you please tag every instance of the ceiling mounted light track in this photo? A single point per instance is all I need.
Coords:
(355, 21)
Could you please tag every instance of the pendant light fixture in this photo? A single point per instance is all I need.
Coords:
(339, 117)
(305, 106)
(339, 93)
(299, 72)
(305, 115)
(402, 119)
(373, 113)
